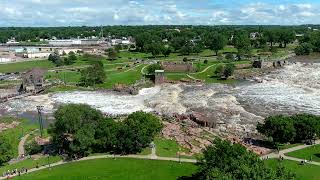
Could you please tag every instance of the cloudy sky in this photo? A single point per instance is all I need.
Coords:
(141, 12)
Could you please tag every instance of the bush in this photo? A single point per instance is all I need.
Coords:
(33, 148)
(185, 59)
(297, 128)
(6, 150)
(303, 49)
(230, 57)
(153, 67)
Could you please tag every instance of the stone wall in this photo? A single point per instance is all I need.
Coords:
(177, 67)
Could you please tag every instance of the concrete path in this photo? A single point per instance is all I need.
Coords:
(206, 69)
(152, 156)
(21, 150)
(283, 153)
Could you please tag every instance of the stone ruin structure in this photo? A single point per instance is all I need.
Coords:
(177, 66)
(32, 80)
(159, 76)
(269, 64)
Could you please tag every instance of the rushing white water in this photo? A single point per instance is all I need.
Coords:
(293, 89)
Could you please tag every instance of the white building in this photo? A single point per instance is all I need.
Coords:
(64, 42)
(74, 42)
(34, 55)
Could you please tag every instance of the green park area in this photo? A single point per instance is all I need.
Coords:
(15, 134)
(31, 163)
(121, 168)
(309, 153)
(24, 66)
(303, 172)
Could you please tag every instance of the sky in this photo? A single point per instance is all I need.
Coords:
(158, 12)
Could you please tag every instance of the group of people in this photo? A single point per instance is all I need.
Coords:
(15, 172)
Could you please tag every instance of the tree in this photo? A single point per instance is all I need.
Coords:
(93, 75)
(73, 131)
(154, 48)
(6, 150)
(33, 148)
(229, 70)
(71, 59)
(152, 68)
(286, 37)
(55, 59)
(225, 70)
(219, 70)
(307, 126)
(297, 128)
(136, 132)
(112, 54)
(224, 160)
(166, 51)
(271, 36)
(279, 128)
(186, 49)
(216, 42)
(303, 49)
(242, 43)
(178, 42)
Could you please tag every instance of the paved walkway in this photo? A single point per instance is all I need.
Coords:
(151, 156)
(21, 150)
(206, 69)
(283, 153)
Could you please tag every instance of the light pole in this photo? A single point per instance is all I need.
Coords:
(179, 155)
(114, 152)
(40, 109)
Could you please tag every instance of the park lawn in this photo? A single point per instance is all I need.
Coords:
(303, 172)
(127, 77)
(30, 163)
(62, 88)
(15, 134)
(176, 76)
(168, 148)
(24, 66)
(145, 151)
(121, 168)
(68, 77)
(312, 152)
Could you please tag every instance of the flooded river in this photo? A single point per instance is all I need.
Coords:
(293, 89)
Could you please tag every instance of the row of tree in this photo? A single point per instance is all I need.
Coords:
(56, 59)
(285, 129)
(80, 130)
(310, 42)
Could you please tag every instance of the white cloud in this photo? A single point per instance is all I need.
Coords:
(111, 12)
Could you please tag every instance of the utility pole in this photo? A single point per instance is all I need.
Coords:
(40, 109)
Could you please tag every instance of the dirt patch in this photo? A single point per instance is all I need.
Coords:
(5, 126)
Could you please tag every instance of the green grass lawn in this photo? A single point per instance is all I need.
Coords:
(63, 88)
(287, 146)
(24, 66)
(30, 163)
(303, 172)
(15, 134)
(312, 152)
(168, 148)
(119, 169)
(122, 77)
(70, 77)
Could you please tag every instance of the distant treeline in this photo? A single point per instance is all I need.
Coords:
(33, 33)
